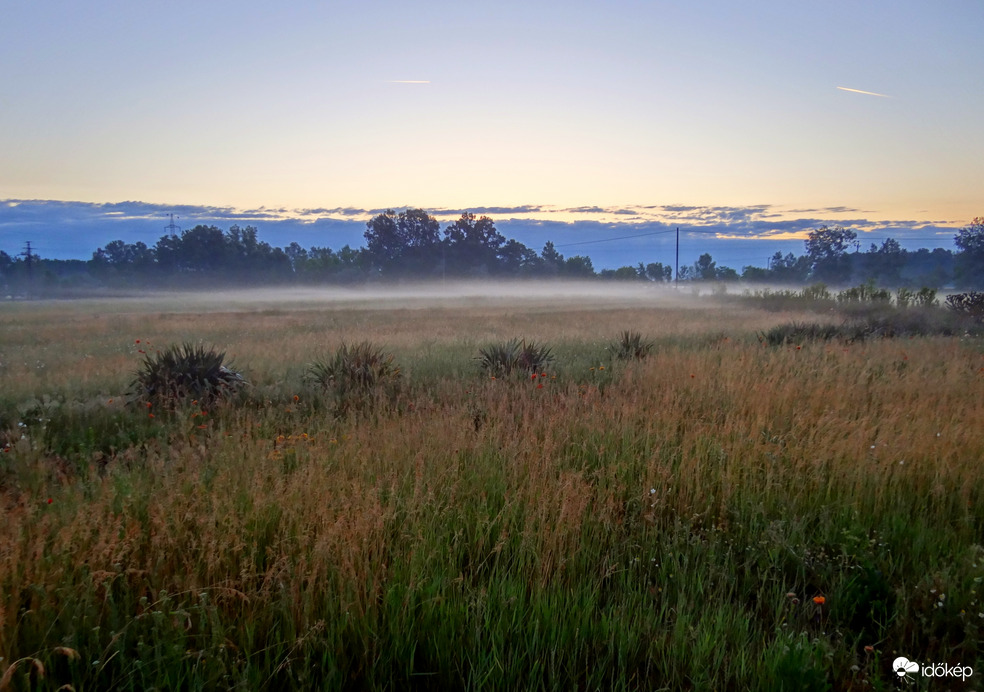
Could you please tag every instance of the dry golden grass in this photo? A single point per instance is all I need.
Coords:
(279, 510)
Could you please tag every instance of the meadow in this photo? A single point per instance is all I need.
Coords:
(720, 514)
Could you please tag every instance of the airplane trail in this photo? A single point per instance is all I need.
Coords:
(869, 93)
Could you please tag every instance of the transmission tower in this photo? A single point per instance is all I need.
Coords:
(172, 227)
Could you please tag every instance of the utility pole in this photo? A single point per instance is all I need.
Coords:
(676, 268)
(29, 260)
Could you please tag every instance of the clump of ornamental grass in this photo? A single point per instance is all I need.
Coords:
(631, 346)
(356, 376)
(519, 356)
(186, 374)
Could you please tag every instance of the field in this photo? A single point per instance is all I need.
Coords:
(722, 514)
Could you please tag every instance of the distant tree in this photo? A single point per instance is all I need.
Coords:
(705, 268)
(884, 264)
(578, 267)
(826, 249)
(657, 271)
(408, 243)
(726, 274)
(970, 258)
(553, 261)
(473, 245)
(627, 273)
(788, 268)
(756, 274)
(515, 259)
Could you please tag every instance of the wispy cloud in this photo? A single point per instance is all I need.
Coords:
(868, 93)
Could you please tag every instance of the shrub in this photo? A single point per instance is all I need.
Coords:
(356, 375)
(864, 293)
(630, 345)
(969, 304)
(499, 360)
(798, 333)
(179, 375)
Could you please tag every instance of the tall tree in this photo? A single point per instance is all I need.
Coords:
(827, 250)
(473, 245)
(970, 258)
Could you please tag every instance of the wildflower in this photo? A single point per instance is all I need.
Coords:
(543, 374)
(533, 376)
(202, 426)
(601, 367)
(148, 404)
(137, 341)
(540, 386)
(869, 649)
(150, 415)
(110, 401)
(819, 600)
(50, 500)
(296, 398)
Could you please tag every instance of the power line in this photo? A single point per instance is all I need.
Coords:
(626, 237)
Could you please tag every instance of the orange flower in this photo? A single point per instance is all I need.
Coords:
(297, 398)
(819, 600)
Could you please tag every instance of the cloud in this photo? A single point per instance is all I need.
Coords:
(611, 236)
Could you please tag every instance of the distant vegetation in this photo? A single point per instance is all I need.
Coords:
(411, 245)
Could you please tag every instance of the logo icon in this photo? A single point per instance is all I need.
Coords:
(903, 667)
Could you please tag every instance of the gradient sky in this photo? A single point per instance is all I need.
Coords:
(374, 104)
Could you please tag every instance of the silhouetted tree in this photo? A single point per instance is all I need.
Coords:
(970, 258)
(473, 246)
(826, 249)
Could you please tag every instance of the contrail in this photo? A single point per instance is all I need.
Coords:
(869, 93)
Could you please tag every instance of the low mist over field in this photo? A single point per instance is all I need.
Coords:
(424, 294)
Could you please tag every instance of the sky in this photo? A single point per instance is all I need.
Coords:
(604, 118)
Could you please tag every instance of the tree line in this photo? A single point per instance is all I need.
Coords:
(412, 245)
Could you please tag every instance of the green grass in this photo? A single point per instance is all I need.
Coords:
(664, 523)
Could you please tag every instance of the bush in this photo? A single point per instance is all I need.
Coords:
(356, 375)
(181, 375)
(525, 357)
(799, 333)
(969, 304)
(630, 345)
(864, 293)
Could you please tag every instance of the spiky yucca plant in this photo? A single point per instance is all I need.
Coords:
(356, 375)
(178, 375)
(630, 345)
(502, 359)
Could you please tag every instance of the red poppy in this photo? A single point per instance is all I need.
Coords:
(819, 600)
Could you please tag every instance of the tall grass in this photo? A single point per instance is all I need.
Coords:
(658, 524)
